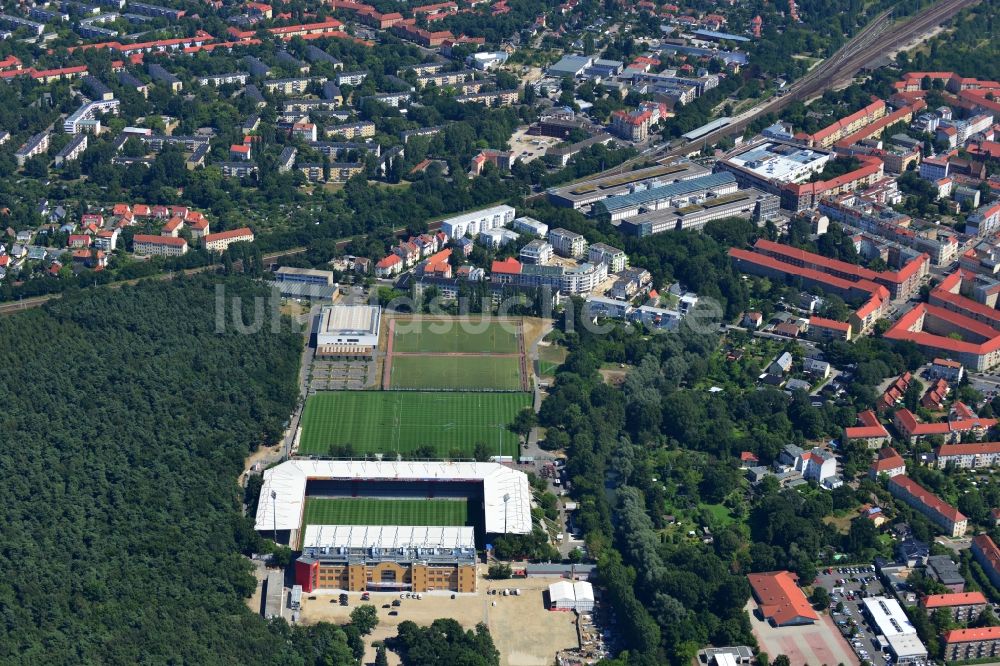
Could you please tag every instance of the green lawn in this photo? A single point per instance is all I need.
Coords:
(401, 421)
(372, 511)
(456, 335)
(470, 373)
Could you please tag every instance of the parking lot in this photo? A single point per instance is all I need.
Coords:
(341, 375)
(848, 585)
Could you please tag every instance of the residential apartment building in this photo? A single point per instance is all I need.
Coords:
(536, 252)
(964, 606)
(969, 644)
(969, 456)
(616, 259)
(869, 429)
(631, 126)
(889, 463)
(988, 556)
(72, 150)
(567, 243)
(359, 130)
(946, 517)
(579, 280)
(293, 86)
(159, 246)
(221, 241)
(36, 145)
(477, 221)
(223, 79)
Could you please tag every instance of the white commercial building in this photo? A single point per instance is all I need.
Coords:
(474, 223)
(888, 617)
(572, 596)
(348, 326)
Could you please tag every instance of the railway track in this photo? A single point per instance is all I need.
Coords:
(881, 35)
(878, 37)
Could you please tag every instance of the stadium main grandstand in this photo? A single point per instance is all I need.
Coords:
(378, 541)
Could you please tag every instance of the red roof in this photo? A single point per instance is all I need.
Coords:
(971, 635)
(224, 235)
(887, 459)
(509, 266)
(870, 427)
(388, 262)
(953, 599)
(159, 240)
(927, 498)
(780, 598)
(973, 449)
(847, 120)
(747, 456)
(823, 322)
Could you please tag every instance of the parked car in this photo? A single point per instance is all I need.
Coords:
(392, 612)
(397, 602)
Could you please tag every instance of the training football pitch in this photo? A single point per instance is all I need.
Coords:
(457, 335)
(369, 511)
(389, 422)
(469, 373)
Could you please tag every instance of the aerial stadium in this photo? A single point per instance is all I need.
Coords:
(390, 525)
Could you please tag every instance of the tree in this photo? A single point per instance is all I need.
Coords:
(380, 656)
(365, 618)
(781, 660)
(500, 571)
(820, 597)
(523, 422)
(281, 556)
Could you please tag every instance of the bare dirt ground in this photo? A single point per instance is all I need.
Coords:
(524, 631)
(614, 375)
(819, 643)
(534, 329)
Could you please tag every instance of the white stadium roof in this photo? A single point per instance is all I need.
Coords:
(287, 482)
(387, 537)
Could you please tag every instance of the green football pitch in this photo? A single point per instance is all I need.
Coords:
(391, 422)
(469, 373)
(455, 335)
(371, 511)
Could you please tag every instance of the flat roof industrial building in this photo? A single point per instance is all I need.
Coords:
(343, 328)
(584, 194)
(781, 162)
(892, 623)
(679, 193)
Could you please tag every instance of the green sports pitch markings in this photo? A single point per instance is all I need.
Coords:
(467, 373)
(372, 511)
(392, 422)
(456, 335)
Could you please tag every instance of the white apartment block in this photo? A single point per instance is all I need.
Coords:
(474, 223)
(616, 259)
(568, 244)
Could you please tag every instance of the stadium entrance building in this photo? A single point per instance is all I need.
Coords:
(415, 559)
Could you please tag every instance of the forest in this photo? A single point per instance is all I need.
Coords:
(126, 420)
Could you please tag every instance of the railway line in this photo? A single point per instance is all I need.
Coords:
(880, 36)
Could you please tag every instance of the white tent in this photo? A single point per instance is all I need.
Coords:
(578, 596)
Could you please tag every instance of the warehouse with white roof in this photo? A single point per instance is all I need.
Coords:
(895, 629)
